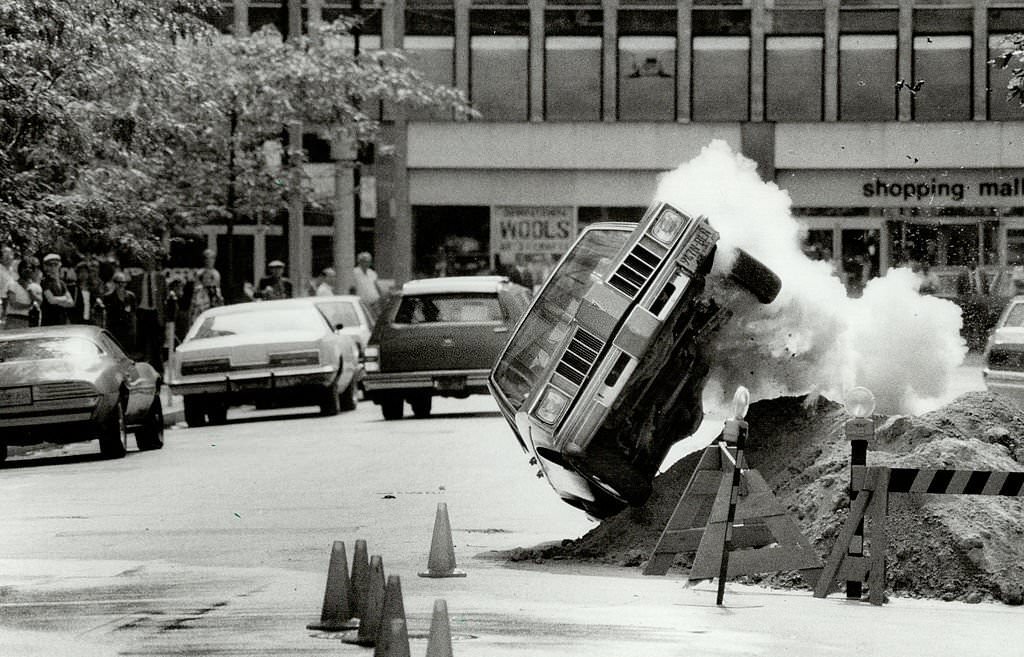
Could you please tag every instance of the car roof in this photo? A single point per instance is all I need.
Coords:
(354, 298)
(254, 306)
(65, 330)
(448, 284)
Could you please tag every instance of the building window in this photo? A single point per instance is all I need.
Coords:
(647, 71)
(433, 56)
(942, 67)
(867, 71)
(451, 240)
(721, 78)
(793, 78)
(999, 107)
(499, 80)
(572, 78)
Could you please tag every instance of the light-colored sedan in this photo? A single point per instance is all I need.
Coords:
(349, 312)
(1004, 354)
(66, 384)
(269, 353)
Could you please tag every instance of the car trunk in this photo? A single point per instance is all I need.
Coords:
(442, 346)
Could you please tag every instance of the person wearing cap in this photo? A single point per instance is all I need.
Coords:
(274, 286)
(56, 298)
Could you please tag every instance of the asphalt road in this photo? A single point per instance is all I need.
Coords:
(219, 543)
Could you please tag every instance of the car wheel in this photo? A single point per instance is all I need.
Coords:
(421, 403)
(753, 276)
(195, 411)
(114, 436)
(151, 434)
(393, 407)
(3, 452)
(329, 402)
(349, 397)
(216, 411)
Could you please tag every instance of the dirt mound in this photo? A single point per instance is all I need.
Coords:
(949, 547)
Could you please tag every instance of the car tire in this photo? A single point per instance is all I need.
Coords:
(195, 411)
(114, 435)
(151, 434)
(3, 452)
(329, 402)
(752, 275)
(392, 406)
(216, 411)
(421, 403)
(349, 397)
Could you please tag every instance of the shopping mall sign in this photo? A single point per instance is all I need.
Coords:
(521, 232)
(899, 188)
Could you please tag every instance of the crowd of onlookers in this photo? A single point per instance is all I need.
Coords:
(149, 312)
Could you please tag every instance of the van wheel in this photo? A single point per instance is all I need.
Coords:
(3, 452)
(195, 411)
(216, 410)
(752, 275)
(329, 400)
(114, 437)
(393, 407)
(421, 404)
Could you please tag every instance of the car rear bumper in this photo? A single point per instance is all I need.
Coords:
(1005, 382)
(66, 421)
(232, 382)
(440, 381)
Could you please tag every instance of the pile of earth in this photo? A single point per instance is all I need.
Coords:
(952, 547)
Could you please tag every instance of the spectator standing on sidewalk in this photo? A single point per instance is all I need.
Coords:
(150, 290)
(23, 296)
(274, 286)
(57, 299)
(88, 307)
(8, 275)
(366, 285)
(327, 279)
(121, 306)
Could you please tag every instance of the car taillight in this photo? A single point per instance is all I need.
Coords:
(205, 366)
(371, 359)
(295, 358)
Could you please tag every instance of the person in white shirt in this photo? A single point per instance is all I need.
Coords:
(365, 277)
(326, 286)
(7, 276)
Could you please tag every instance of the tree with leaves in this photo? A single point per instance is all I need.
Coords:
(1013, 55)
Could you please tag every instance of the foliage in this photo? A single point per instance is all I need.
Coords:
(1013, 53)
(120, 119)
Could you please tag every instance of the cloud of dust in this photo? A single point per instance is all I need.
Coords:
(899, 344)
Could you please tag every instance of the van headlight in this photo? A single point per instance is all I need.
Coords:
(551, 405)
(668, 226)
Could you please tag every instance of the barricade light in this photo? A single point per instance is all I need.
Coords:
(860, 402)
(741, 403)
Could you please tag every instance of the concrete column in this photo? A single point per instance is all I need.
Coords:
(831, 72)
(757, 141)
(345, 213)
(536, 66)
(758, 27)
(314, 17)
(610, 60)
(905, 60)
(241, 22)
(980, 59)
(462, 46)
(294, 18)
(298, 242)
(684, 59)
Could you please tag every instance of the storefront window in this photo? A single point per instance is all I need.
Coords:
(647, 87)
(867, 70)
(817, 244)
(721, 78)
(451, 240)
(793, 78)
(592, 214)
(942, 68)
(1015, 247)
(572, 78)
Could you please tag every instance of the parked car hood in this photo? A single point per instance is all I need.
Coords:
(22, 372)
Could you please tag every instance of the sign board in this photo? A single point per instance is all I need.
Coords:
(905, 188)
(522, 234)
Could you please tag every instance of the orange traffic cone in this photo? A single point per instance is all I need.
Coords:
(360, 579)
(369, 624)
(336, 613)
(439, 644)
(394, 609)
(441, 562)
(395, 641)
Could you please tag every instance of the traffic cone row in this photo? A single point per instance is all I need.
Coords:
(379, 605)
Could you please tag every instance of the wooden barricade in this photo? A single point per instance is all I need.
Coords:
(762, 536)
(875, 485)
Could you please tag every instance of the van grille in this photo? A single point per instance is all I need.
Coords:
(634, 272)
(579, 356)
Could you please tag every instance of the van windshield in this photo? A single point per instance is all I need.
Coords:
(547, 322)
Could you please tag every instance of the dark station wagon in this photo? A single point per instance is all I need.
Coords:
(605, 371)
(439, 337)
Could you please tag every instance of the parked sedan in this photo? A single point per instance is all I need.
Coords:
(66, 384)
(1004, 354)
(274, 353)
(349, 312)
(439, 337)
